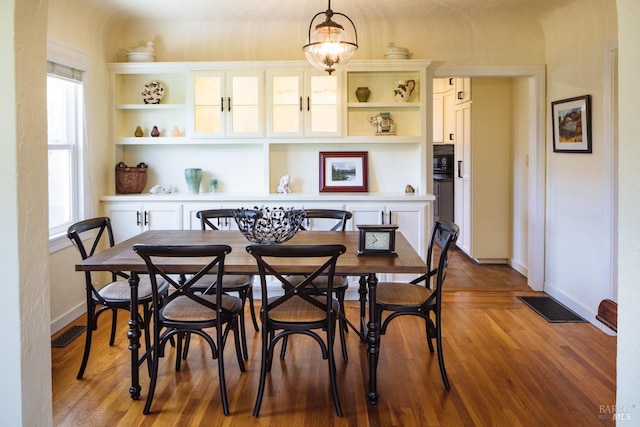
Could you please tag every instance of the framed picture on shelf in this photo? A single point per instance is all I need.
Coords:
(571, 120)
(344, 171)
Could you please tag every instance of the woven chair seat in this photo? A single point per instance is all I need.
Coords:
(296, 309)
(121, 291)
(229, 281)
(184, 309)
(406, 294)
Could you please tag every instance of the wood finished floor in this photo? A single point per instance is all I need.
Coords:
(507, 367)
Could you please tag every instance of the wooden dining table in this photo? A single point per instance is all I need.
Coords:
(121, 257)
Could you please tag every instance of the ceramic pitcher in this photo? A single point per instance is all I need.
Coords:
(403, 89)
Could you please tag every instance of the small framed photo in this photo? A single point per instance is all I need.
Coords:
(571, 120)
(344, 171)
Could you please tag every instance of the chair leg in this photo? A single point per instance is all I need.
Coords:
(243, 333)
(430, 331)
(187, 341)
(332, 371)
(181, 338)
(87, 340)
(443, 370)
(342, 326)
(236, 336)
(155, 359)
(263, 370)
(221, 376)
(252, 309)
(114, 325)
(283, 349)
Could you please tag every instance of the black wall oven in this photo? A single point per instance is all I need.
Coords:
(443, 165)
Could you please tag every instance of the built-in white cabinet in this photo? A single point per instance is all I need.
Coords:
(226, 104)
(131, 111)
(247, 124)
(303, 103)
(413, 221)
(131, 218)
(406, 109)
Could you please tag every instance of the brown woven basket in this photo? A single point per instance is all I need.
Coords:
(130, 180)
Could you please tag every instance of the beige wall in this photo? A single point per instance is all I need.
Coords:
(491, 167)
(493, 38)
(78, 26)
(25, 368)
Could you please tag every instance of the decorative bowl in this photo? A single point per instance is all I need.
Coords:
(273, 226)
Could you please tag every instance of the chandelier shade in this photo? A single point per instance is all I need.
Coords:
(329, 46)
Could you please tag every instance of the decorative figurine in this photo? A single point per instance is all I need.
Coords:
(384, 123)
(283, 185)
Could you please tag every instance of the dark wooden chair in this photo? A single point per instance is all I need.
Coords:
(328, 220)
(217, 219)
(422, 296)
(303, 309)
(113, 296)
(186, 311)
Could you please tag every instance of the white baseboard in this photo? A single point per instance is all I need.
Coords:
(519, 267)
(71, 315)
(588, 314)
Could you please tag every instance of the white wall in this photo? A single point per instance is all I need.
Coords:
(520, 164)
(628, 366)
(578, 268)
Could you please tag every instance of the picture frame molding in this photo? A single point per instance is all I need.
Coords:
(327, 185)
(584, 104)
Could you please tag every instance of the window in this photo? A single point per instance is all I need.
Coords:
(65, 121)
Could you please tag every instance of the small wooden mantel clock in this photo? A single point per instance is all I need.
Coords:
(377, 239)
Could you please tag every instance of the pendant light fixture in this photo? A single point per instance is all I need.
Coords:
(329, 46)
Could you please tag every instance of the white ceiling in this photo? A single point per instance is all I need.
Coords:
(285, 10)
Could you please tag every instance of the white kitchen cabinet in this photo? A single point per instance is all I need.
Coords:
(129, 219)
(303, 103)
(462, 89)
(462, 176)
(226, 104)
(443, 114)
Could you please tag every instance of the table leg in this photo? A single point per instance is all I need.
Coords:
(362, 290)
(134, 337)
(373, 340)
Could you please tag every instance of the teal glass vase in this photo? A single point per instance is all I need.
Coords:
(193, 176)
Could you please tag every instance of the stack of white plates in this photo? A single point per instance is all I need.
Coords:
(141, 57)
(396, 52)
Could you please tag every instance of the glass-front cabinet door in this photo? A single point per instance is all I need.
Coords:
(285, 92)
(302, 104)
(227, 104)
(323, 113)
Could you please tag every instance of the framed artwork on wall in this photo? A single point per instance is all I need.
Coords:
(344, 171)
(571, 120)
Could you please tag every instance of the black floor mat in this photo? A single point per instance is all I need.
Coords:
(67, 336)
(551, 310)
